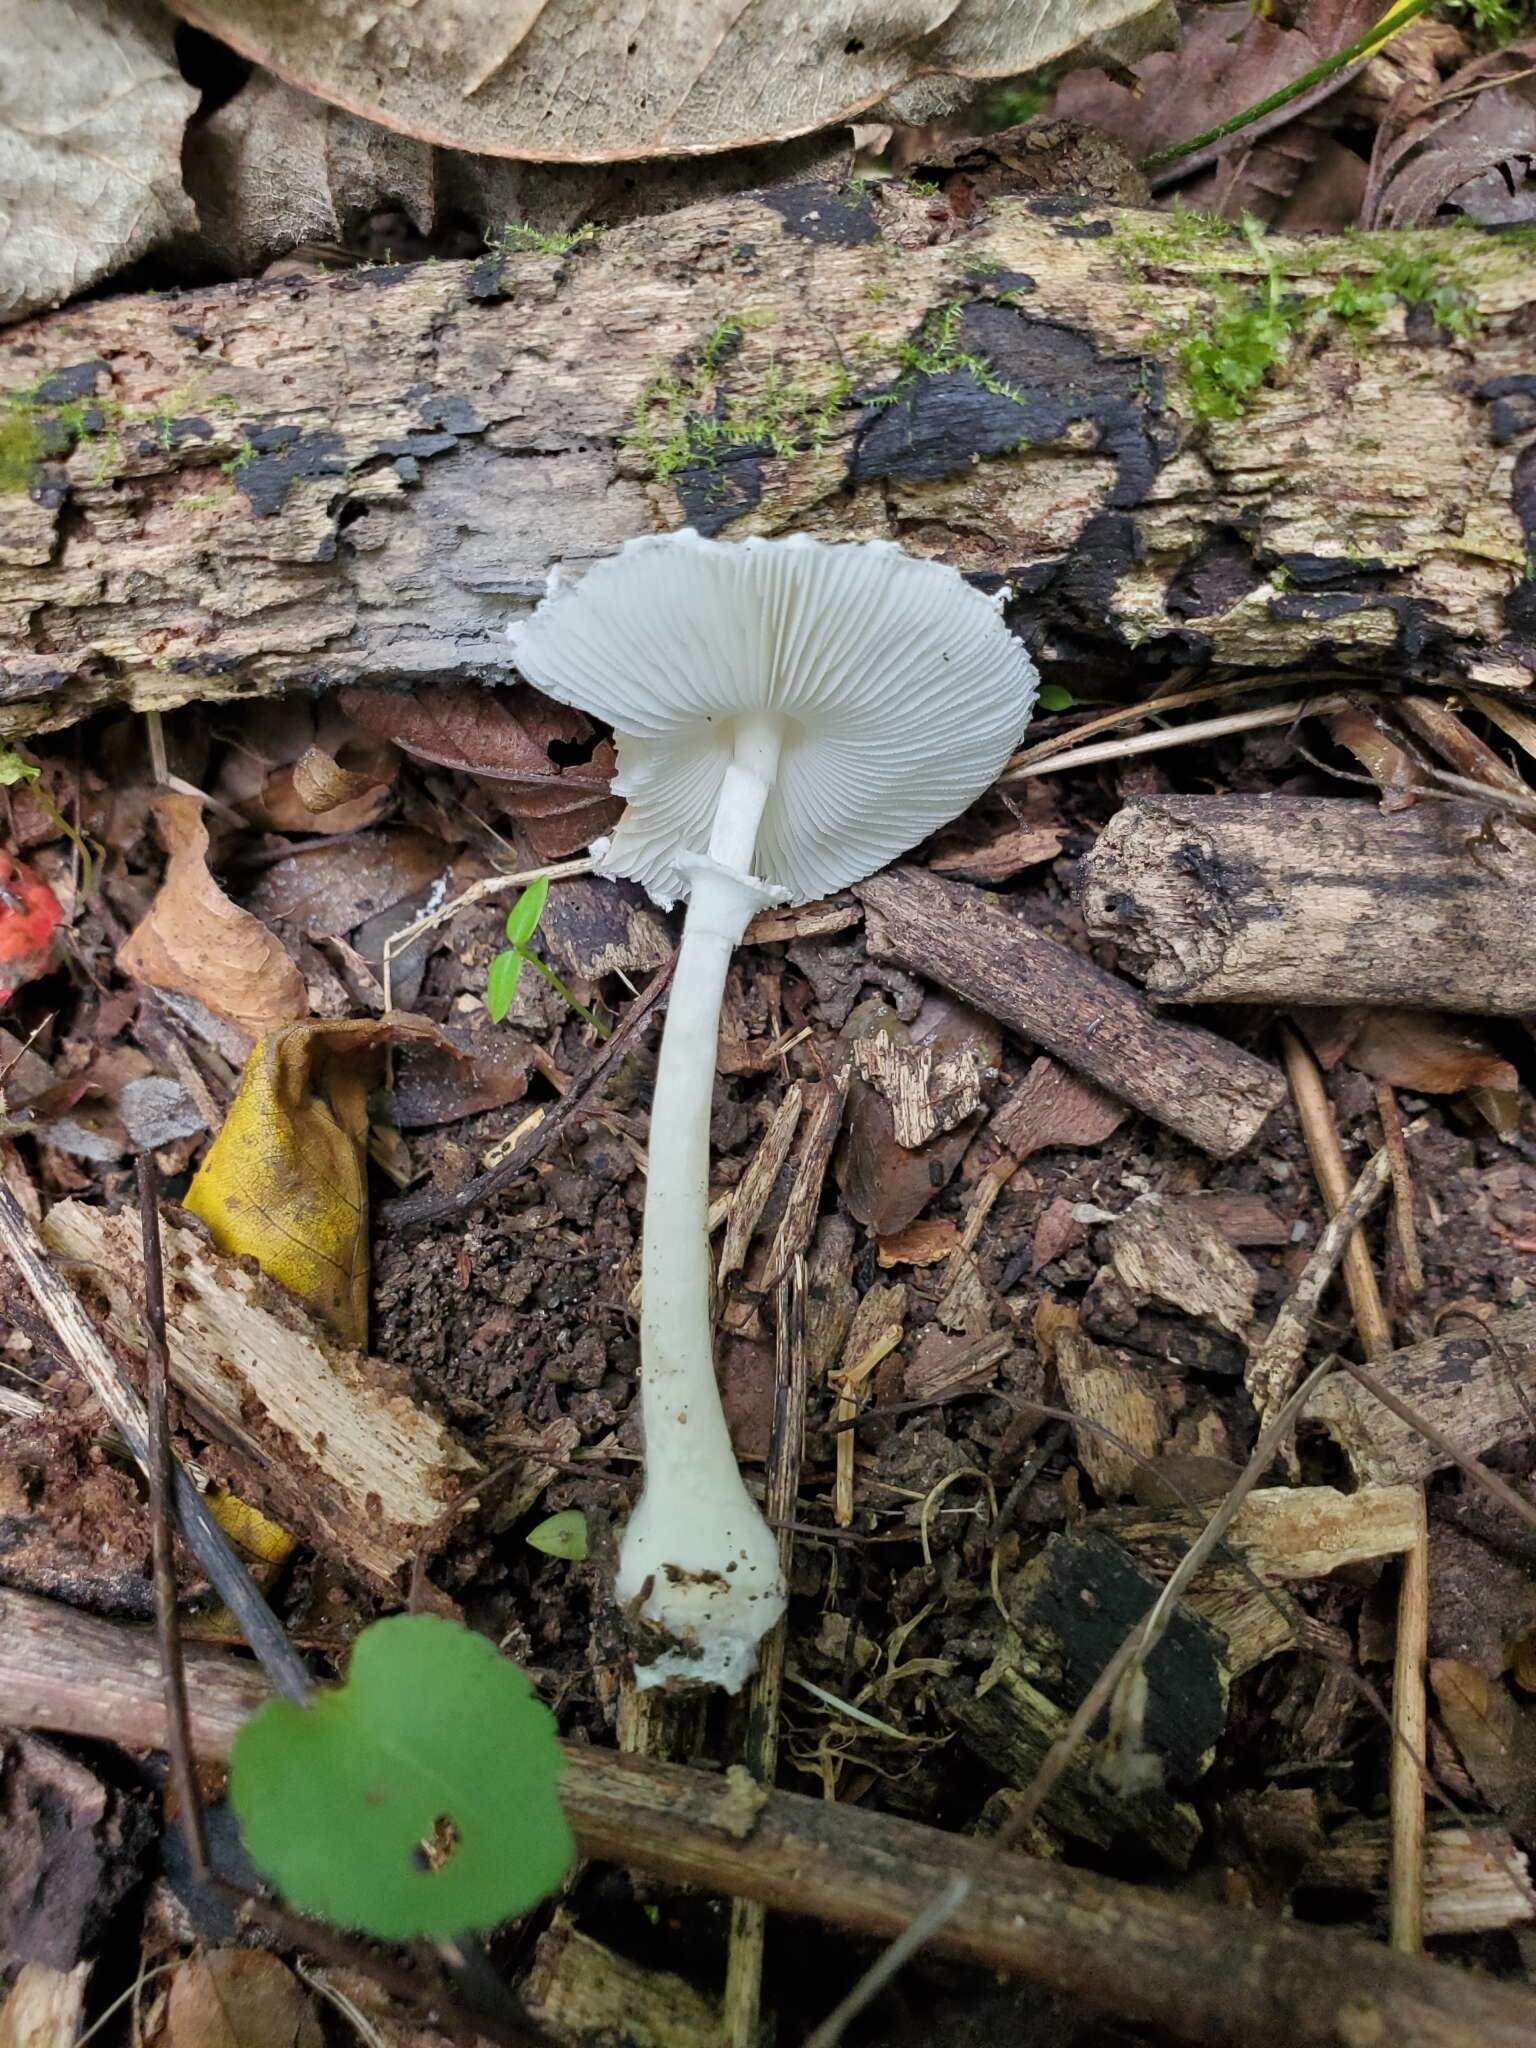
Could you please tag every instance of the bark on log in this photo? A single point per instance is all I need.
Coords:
(306, 481)
(1203, 1087)
(1318, 901)
(1201, 1974)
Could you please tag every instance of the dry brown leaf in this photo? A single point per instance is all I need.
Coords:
(92, 109)
(1417, 1049)
(196, 942)
(1496, 1735)
(1471, 147)
(238, 1998)
(335, 889)
(593, 80)
(1053, 1106)
(1230, 58)
(273, 167)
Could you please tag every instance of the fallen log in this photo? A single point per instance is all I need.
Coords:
(1204, 1975)
(312, 480)
(1318, 901)
(1205, 1088)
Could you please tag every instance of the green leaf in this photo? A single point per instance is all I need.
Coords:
(501, 983)
(14, 769)
(434, 1739)
(562, 1535)
(1054, 698)
(523, 917)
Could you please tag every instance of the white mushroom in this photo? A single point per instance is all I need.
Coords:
(790, 715)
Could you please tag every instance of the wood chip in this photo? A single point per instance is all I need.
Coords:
(1095, 1385)
(1053, 1106)
(943, 1366)
(922, 1243)
(1165, 1250)
(929, 1091)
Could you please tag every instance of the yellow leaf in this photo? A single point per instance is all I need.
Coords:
(286, 1182)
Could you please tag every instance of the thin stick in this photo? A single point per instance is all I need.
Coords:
(167, 1625)
(1137, 714)
(82, 1343)
(492, 885)
(1317, 1126)
(1190, 735)
(1402, 1188)
(1182, 1967)
(411, 1212)
(1410, 1724)
(744, 1962)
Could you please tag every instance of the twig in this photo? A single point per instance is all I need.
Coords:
(1402, 1188)
(1410, 1727)
(1195, 1972)
(744, 1961)
(167, 1625)
(412, 1212)
(1274, 1363)
(82, 1343)
(1194, 734)
(1317, 1127)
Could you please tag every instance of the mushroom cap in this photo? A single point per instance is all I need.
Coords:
(901, 689)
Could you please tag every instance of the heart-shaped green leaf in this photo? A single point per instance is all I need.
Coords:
(523, 917)
(501, 983)
(418, 1799)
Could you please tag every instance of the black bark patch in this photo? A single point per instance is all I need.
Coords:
(821, 213)
(726, 487)
(1042, 376)
(78, 381)
(1512, 407)
(1060, 205)
(376, 277)
(418, 445)
(996, 284)
(449, 411)
(1316, 572)
(170, 434)
(484, 285)
(1084, 230)
(285, 456)
(1212, 581)
(1419, 628)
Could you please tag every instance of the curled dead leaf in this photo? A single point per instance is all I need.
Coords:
(196, 942)
(286, 1182)
(238, 1998)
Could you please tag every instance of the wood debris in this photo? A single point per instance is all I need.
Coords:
(1123, 1400)
(1164, 1250)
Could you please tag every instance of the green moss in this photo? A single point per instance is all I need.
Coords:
(688, 416)
(518, 239)
(936, 353)
(1182, 235)
(22, 447)
(243, 455)
(1229, 351)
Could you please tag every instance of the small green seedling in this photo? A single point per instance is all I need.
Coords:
(506, 970)
(563, 1535)
(418, 1799)
(14, 769)
(1053, 697)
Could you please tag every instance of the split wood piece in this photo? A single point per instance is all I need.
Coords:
(264, 536)
(1302, 901)
(749, 1919)
(876, 1330)
(1206, 1976)
(330, 1443)
(1199, 1085)
(750, 1196)
(1474, 1386)
(1125, 1417)
(1476, 1879)
(579, 1991)
(44, 2008)
(1466, 754)
(1410, 1743)
(819, 1134)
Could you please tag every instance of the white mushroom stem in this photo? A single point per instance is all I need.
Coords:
(697, 1552)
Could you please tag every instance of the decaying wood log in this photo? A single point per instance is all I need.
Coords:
(306, 481)
(1317, 900)
(1474, 1385)
(329, 1442)
(1203, 1975)
(1201, 1086)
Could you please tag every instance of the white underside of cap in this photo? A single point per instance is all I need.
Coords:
(901, 689)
